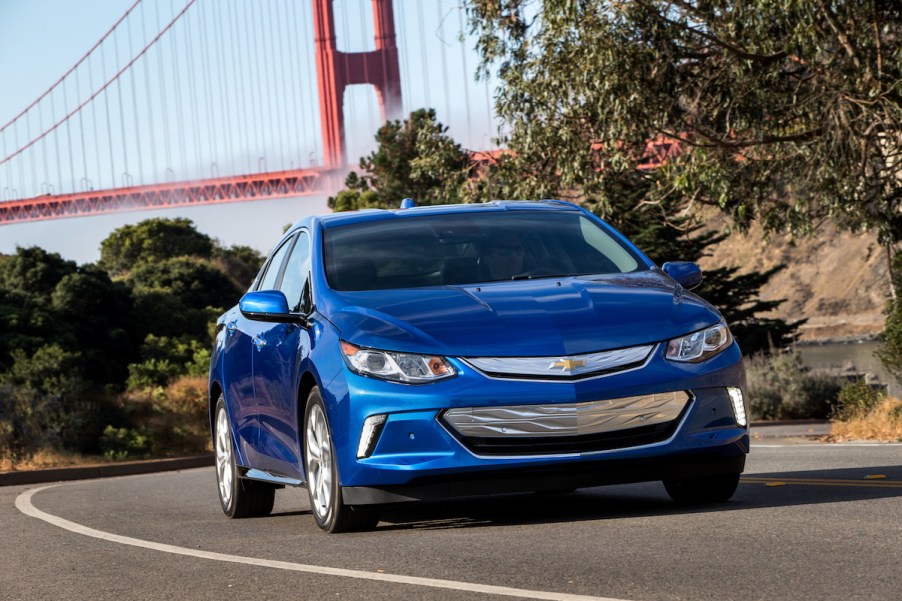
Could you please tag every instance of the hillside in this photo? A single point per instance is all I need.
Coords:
(838, 280)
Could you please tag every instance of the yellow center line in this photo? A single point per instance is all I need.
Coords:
(821, 482)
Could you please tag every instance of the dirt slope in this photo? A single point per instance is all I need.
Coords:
(838, 280)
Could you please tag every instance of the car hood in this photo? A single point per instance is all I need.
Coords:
(539, 317)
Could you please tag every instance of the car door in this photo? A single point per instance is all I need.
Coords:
(241, 343)
(276, 370)
(238, 382)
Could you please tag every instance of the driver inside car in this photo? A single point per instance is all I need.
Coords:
(501, 257)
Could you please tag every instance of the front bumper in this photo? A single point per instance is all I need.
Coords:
(726, 460)
(417, 455)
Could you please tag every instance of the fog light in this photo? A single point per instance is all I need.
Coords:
(369, 435)
(738, 405)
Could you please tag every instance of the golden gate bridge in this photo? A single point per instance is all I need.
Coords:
(194, 102)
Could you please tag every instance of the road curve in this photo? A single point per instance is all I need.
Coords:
(809, 521)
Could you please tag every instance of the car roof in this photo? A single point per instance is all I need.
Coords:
(364, 215)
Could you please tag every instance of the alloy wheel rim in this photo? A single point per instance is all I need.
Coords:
(224, 457)
(319, 463)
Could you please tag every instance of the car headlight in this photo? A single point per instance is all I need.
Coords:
(396, 367)
(700, 345)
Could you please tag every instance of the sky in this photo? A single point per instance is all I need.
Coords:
(41, 39)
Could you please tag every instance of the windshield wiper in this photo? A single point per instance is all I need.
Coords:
(537, 276)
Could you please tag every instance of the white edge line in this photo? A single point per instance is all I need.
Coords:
(24, 505)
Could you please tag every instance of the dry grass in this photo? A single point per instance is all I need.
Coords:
(185, 428)
(883, 422)
(46, 459)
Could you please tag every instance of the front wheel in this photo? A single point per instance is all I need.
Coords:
(330, 513)
(697, 491)
(239, 498)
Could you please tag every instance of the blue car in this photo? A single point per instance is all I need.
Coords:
(426, 353)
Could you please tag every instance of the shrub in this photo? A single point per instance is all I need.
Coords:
(882, 422)
(183, 421)
(39, 400)
(781, 387)
(123, 443)
(165, 359)
(174, 418)
(151, 373)
(857, 399)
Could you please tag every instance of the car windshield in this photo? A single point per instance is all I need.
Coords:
(456, 249)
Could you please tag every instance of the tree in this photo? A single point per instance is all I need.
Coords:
(415, 158)
(180, 297)
(100, 314)
(150, 241)
(27, 324)
(240, 263)
(33, 271)
(665, 232)
(661, 229)
(789, 112)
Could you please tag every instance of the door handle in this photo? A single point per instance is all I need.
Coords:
(232, 326)
(259, 342)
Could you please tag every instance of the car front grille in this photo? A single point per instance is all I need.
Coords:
(565, 368)
(568, 428)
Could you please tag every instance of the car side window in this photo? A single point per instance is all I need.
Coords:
(268, 281)
(296, 273)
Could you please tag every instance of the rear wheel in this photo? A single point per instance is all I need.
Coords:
(697, 491)
(330, 513)
(239, 498)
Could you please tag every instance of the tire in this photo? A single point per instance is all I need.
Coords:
(698, 491)
(323, 488)
(239, 498)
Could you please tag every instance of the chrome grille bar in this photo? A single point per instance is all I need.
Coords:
(565, 367)
(572, 419)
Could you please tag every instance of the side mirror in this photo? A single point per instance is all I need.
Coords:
(688, 275)
(266, 305)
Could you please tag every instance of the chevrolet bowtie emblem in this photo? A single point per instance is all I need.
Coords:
(568, 364)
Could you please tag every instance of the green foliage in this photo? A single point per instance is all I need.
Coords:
(890, 350)
(664, 231)
(196, 283)
(780, 387)
(99, 313)
(239, 263)
(182, 421)
(164, 359)
(788, 112)
(44, 404)
(415, 158)
(857, 399)
(33, 271)
(180, 297)
(46, 300)
(123, 443)
(73, 336)
(736, 295)
(26, 323)
(151, 241)
(50, 369)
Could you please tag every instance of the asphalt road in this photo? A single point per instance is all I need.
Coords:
(809, 521)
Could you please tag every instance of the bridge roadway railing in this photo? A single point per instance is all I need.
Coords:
(259, 186)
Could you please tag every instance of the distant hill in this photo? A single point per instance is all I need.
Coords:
(839, 281)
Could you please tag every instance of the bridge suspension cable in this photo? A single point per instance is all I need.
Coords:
(234, 100)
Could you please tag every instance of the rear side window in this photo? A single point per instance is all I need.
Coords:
(460, 249)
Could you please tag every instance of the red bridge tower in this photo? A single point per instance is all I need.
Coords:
(336, 70)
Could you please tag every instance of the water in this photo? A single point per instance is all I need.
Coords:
(854, 357)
